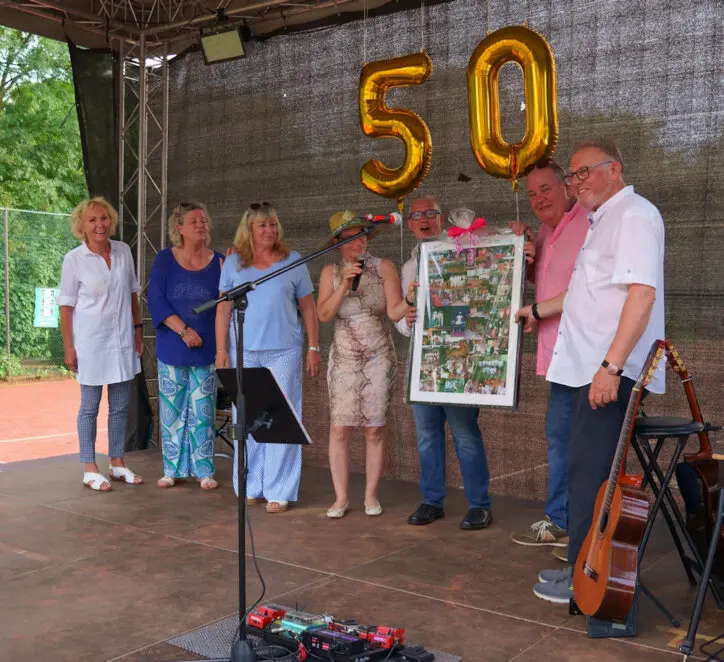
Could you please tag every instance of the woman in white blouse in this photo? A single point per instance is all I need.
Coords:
(102, 333)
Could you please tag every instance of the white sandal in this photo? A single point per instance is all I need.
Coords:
(95, 481)
(373, 511)
(338, 513)
(165, 481)
(124, 474)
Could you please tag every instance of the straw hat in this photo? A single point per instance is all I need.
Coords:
(344, 220)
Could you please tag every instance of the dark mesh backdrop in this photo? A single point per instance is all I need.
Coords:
(282, 126)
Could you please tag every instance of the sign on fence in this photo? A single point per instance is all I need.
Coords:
(46, 310)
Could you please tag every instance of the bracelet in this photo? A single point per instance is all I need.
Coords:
(138, 326)
(222, 351)
(313, 348)
(407, 301)
(534, 310)
(185, 331)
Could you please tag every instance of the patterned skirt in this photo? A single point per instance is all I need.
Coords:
(360, 387)
(187, 408)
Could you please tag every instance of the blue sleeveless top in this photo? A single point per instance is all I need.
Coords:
(173, 290)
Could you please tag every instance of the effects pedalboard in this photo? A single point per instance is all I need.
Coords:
(327, 638)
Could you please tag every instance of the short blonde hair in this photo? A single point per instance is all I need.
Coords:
(177, 218)
(243, 244)
(76, 216)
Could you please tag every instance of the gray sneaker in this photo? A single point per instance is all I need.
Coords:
(545, 576)
(560, 591)
(543, 532)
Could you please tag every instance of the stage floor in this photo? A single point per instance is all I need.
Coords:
(109, 577)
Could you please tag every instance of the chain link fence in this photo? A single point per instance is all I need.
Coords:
(33, 246)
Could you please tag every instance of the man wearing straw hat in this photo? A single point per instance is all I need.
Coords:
(425, 222)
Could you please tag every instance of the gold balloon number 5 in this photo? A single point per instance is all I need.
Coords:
(379, 121)
(531, 51)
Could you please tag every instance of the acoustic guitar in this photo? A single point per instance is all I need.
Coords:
(698, 477)
(606, 570)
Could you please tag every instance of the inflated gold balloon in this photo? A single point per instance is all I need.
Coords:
(379, 121)
(532, 53)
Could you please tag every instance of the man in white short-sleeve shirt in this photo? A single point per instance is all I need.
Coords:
(612, 313)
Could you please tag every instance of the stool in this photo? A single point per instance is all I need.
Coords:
(687, 646)
(660, 429)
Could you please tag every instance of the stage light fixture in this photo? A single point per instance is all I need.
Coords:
(222, 45)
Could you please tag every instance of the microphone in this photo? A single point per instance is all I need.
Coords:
(355, 282)
(381, 219)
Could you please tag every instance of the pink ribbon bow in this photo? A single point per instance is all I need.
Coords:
(457, 233)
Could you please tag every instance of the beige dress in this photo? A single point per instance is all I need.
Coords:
(362, 360)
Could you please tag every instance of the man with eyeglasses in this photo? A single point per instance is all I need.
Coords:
(612, 313)
(425, 222)
(563, 227)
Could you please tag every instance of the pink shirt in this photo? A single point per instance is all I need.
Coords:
(556, 252)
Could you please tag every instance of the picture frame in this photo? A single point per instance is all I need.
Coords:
(465, 345)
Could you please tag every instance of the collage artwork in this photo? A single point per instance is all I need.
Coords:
(464, 347)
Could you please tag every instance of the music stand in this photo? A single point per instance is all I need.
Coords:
(269, 414)
(241, 650)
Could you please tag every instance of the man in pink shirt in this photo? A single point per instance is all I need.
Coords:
(564, 225)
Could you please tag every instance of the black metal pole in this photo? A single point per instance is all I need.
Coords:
(241, 650)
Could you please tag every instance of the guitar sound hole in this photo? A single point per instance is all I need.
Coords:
(604, 522)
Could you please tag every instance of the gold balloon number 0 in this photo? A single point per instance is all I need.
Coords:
(531, 51)
(517, 44)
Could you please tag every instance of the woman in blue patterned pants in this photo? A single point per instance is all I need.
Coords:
(184, 276)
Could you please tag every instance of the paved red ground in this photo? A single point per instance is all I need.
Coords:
(38, 419)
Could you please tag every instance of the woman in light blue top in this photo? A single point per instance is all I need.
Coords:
(273, 339)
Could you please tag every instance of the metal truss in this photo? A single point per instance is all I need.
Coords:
(146, 34)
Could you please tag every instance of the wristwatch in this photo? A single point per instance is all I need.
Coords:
(612, 368)
(184, 332)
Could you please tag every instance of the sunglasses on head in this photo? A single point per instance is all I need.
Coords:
(256, 206)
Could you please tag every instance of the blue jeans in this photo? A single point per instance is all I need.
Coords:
(558, 433)
(463, 422)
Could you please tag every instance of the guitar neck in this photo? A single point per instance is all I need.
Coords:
(678, 366)
(647, 373)
(623, 441)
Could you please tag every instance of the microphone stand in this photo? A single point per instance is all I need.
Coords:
(241, 650)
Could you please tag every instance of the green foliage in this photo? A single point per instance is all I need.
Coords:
(42, 163)
(41, 168)
(36, 245)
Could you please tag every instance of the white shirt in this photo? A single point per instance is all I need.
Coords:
(103, 334)
(409, 274)
(624, 245)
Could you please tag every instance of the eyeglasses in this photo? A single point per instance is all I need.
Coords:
(545, 162)
(428, 213)
(583, 173)
(256, 206)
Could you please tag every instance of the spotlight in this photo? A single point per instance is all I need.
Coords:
(222, 45)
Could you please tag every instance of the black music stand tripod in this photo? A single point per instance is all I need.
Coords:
(269, 414)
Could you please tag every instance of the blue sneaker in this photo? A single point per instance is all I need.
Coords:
(545, 576)
(559, 592)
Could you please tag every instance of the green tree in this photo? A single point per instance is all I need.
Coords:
(41, 163)
(41, 168)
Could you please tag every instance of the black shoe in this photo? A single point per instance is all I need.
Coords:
(477, 518)
(425, 514)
